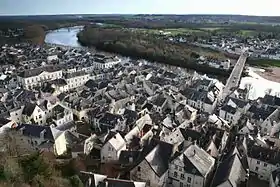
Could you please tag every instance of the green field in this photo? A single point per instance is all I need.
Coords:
(264, 62)
(171, 31)
(248, 33)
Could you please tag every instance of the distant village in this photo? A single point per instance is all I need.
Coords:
(138, 124)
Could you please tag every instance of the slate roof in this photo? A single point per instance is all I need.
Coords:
(240, 103)
(229, 109)
(35, 131)
(159, 158)
(130, 115)
(264, 154)
(91, 84)
(159, 101)
(261, 112)
(271, 100)
(38, 71)
(126, 155)
(110, 119)
(189, 133)
(197, 161)
(225, 170)
(4, 121)
(28, 109)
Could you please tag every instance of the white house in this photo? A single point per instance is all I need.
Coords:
(263, 161)
(102, 62)
(32, 113)
(193, 168)
(35, 77)
(76, 79)
(233, 110)
(112, 148)
(61, 115)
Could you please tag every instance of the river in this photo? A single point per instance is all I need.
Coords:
(64, 36)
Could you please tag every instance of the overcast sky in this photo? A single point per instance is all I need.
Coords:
(42, 7)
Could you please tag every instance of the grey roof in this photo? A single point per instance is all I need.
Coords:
(224, 172)
(229, 109)
(264, 154)
(197, 161)
(4, 121)
(35, 131)
(110, 119)
(159, 158)
(28, 109)
(271, 100)
(261, 111)
(38, 71)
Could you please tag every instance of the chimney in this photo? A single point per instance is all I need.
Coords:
(42, 134)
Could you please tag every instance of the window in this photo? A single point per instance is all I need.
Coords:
(175, 174)
(257, 168)
(265, 164)
(176, 167)
(258, 162)
(189, 179)
(182, 176)
(181, 184)
(188, 185)
(139, 168)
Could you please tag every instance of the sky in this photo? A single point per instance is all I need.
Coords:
(45, 7)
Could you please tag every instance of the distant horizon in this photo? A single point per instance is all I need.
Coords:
(268, 8)
(75, 14)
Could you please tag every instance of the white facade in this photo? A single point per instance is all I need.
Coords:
(111, 150)
(38, 115)
(266, 125)
(16, 114)
(202, 162)
(107, 64)
(262, 169)
(37, 80)
(77, 81)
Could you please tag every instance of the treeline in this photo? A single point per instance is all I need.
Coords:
(33, 31)
(149, 47)
(22, 167)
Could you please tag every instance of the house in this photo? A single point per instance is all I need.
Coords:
(179, 135)
(35, 77)
(61, 115)
(217, 143)
(111, 121)
(194, 167)
(160, 103)
(262, 160)
(112, 147)
(153, 168)
(103, 62)
(35, 134)
(264, 116)
(200, 99)
(274, 178)
(76, 79)
(97, 180)
(230, 173)
(32, 113)
(249, 129)
(233, 110)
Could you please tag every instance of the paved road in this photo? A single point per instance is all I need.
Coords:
(235, 76)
